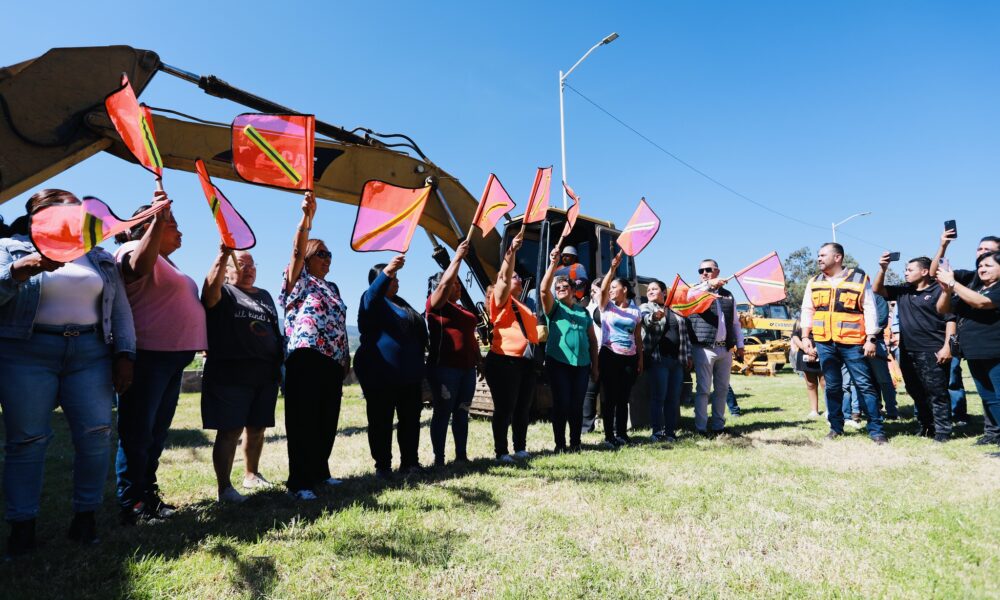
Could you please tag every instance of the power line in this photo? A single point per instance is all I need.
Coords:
(706, 175)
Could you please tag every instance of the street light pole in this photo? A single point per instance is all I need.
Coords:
(562, 113)
(834, 226)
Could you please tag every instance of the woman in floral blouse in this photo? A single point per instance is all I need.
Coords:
(317, 359)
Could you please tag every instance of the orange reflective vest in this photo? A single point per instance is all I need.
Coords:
(839, 314)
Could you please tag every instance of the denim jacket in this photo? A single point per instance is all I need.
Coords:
(19, 301)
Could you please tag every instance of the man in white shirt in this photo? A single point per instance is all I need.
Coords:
(838, 308)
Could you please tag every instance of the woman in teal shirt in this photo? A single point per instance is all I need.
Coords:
(570, 353)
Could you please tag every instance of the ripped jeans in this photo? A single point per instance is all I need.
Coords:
(37, 375)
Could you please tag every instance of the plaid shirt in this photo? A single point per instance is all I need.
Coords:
(653, 329)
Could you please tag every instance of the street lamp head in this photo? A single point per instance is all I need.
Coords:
(610, 38)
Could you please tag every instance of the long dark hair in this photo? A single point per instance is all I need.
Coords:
(625, 283)
(136, 231)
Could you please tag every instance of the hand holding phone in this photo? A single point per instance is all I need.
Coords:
(893, 256)
(952, 227)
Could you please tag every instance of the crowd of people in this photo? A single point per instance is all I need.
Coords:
(118, 330)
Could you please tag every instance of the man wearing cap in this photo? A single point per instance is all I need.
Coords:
(574, 271)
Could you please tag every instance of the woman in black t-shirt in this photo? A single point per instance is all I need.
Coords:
(978, 312)
(239, 389)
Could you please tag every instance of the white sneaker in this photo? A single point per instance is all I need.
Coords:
(852, 423)
(303, 495)
(522, 454)
(256, 482)
(230, 495)
(332, 482)
(813, 415)
(506, 459)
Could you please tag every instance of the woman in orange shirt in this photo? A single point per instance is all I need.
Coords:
(510, 376)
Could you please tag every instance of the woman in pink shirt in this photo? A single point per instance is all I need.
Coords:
(170, 328)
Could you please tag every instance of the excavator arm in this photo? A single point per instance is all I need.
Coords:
(53, 118)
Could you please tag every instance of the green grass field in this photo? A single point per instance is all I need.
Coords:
(775, 511)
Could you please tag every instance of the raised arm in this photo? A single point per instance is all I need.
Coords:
(545, 289)
(946, 238)
(972, 298)
(878, 284)
(141, 261)
(211, 290)
(502, 289)
(297, 263)
(608, 278)
(440, 294)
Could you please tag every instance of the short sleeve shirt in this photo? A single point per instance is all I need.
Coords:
(979, 329)
(315, 317)
(921, 327)
(618, 327)
(568, 340)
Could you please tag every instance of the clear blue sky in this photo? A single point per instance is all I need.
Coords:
(819, 110)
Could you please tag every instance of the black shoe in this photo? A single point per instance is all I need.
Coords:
(574, 448)
(623, 440)
(927, 432)
(156, 508)
(462, 461)
(941, 438)
(833, 435)
(987, 440)
(559, 450)
(384, 474)
(880, 440)
(439, 461)
(412, 471)
(83, 528)
(21, 540)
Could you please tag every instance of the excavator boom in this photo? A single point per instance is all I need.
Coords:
(54, 117)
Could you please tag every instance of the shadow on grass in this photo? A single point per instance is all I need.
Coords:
(256, 575)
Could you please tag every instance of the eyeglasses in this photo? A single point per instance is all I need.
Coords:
(706, 270)
(562, 288)
(322, 254)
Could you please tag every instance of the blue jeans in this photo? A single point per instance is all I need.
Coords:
(850, 404)
(879, 365)
(452, 390)
(956, 389)
(145, 412)
(39, 374)
(734, 407)
(665, 376)
(986, 374)
(832, 357)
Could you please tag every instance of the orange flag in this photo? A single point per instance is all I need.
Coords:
(134, 123)
(538, 204)
(275, 150)
(387, 216)
(65, 232)
(572, 213)
(683, 303)
(233, 228)
(493, 205)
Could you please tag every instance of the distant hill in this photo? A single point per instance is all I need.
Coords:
(353, 338)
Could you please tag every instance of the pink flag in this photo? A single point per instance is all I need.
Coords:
(233, 228)
(640, 229)
(64, 232)
(538, 203)
(387, 216)
(494, 204)
(764, 281)
(572, 213)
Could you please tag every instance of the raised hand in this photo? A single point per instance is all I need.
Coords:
(394, 265)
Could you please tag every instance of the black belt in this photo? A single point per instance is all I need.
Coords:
(65, 330)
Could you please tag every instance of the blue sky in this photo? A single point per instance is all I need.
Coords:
(817, 110)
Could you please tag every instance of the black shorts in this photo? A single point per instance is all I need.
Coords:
(228, 403)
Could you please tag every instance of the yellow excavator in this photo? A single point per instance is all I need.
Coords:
(766, 338)
(53, 117)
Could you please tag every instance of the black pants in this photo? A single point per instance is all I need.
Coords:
(512, 385)
(590, 405)
(569, 386)
(382, 402)
(618, 374)
(927, 383)
(314, 386)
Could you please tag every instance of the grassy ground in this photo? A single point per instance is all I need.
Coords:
(775, 511)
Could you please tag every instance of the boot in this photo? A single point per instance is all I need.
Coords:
(83, 529)
(22, 538)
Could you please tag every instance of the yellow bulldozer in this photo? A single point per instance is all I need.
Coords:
(767, 330)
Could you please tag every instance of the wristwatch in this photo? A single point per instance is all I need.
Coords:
(873, 339)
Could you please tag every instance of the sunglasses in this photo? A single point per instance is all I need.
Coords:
(562, 288)
(706, 270)
(322, 254)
